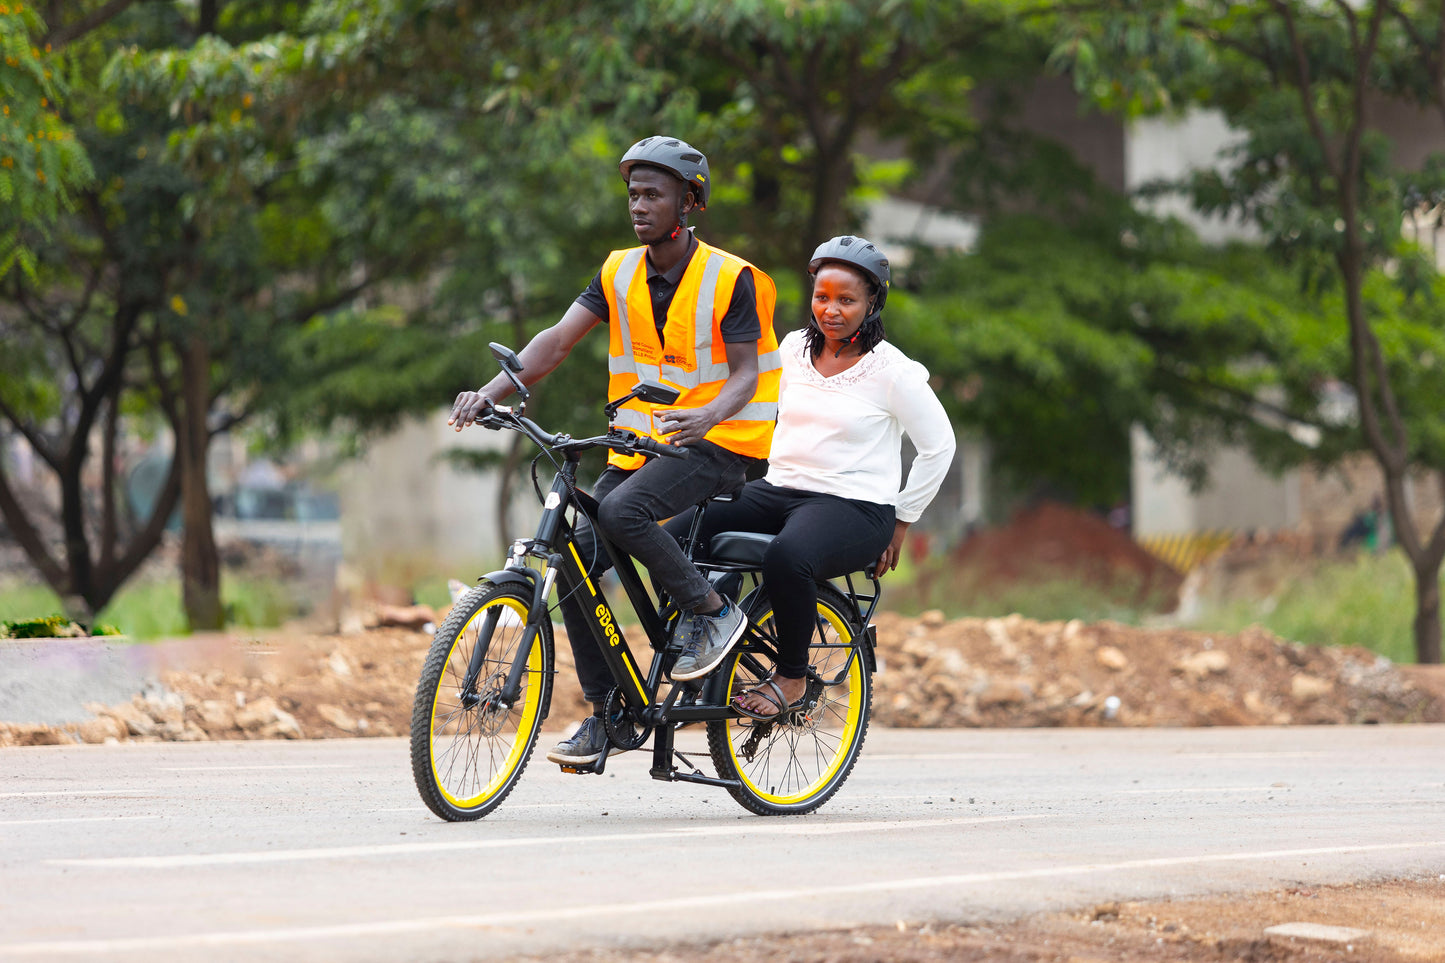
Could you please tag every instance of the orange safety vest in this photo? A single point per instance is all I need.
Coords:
(693, 357)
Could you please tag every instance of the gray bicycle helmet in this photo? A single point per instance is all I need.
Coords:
(860, 253)
(671, 154)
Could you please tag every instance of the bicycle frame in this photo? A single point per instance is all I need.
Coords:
(564, 569)
(471, 737)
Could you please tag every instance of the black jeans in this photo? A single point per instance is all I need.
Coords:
(817, 537)
(632, 504)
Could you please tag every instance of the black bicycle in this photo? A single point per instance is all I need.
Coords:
(486, 685)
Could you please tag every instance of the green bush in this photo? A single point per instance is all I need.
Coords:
(51, 627)
(961, 592)
(1366, 601)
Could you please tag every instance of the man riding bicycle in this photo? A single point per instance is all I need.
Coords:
(689, 314)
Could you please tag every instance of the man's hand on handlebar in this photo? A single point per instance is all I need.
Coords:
(631, 442)
(469, 408)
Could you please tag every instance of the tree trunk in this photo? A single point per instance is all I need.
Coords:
(832, 176)
(78, 598)
(200, 562)
(1427, 614)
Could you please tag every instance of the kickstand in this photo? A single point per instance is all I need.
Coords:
(687, 762)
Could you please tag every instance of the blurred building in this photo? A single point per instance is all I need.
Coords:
(407, 506)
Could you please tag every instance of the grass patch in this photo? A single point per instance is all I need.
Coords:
(960, 592)
(152, 609)
(1366, 601)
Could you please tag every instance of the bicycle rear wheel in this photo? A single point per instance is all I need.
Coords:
(468, 748)
(794, 764)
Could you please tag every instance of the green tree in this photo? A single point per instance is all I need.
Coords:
(202, 240)
(797, 98)
(500, 158)
(41, 164)
(1128, 321)
(1300, 80)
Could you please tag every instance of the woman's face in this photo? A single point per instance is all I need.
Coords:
(840, 301)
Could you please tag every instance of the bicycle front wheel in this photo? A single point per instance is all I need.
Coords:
(469, 745)
(794, 764)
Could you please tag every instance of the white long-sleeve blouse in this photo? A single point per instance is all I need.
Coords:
(843, 435)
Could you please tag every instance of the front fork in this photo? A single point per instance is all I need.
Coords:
(541, 588)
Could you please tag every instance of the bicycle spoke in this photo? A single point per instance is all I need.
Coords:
(799, 759)
(466, 750)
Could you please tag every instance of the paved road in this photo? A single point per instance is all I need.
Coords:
(322, 851)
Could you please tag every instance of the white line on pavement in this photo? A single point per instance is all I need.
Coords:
(74, 819)
(878, 757)
(35, 794)
(1282, 754)
(572, 913)
(412, 849)
(307, 766)
(1194, 789)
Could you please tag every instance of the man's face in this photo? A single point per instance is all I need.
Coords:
(652, 202)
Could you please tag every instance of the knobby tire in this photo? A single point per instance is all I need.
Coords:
(465, 760)
(793, 766)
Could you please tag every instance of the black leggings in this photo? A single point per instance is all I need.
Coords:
(818, 537)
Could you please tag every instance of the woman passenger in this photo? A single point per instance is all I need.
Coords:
(833, 494)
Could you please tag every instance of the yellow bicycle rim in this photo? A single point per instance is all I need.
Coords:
(531, 701)
(851, 721)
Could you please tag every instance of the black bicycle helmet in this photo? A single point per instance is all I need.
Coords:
(671, 154)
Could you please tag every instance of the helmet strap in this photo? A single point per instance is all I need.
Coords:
(681, 213)
(851, 339)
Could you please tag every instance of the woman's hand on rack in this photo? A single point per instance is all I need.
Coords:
(888, 561)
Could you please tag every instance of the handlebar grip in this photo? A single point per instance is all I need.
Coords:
(666, 451)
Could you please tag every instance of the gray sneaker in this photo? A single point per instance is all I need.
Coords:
(708, 639)
(584, 746)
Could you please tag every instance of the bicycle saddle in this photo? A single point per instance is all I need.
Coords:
(747, 548)
(739, 548)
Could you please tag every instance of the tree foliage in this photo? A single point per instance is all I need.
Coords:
(1303, 82)
(41, 164)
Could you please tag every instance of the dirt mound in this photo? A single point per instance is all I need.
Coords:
(1018, 672)
(967, 672)
(1049, 540)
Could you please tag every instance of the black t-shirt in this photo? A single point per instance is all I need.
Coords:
(740, 323)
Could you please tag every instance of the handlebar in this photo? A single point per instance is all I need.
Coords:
(622, 440)
(645, 444)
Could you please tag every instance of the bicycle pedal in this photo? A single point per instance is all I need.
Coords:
(585, 770)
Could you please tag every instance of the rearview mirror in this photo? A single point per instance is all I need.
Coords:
(656, 393)
(506, 357)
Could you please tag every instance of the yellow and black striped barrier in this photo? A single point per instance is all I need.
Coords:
(1185, 551)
